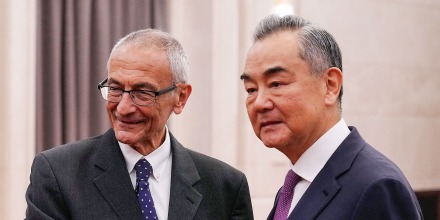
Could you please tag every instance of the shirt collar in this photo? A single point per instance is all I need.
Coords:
(313, 159)
(158, 158)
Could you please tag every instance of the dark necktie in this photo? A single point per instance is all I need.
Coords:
(286, 196)
(143, 172)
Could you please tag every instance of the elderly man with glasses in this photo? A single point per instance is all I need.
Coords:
(137, 169)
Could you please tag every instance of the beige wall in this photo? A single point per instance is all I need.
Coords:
(17, 55)
(391, 56)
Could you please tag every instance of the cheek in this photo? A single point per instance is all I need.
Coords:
(251, 111)
(252, 114)
(110, 108)
(110, 105)
(153, 116)
(300, 111)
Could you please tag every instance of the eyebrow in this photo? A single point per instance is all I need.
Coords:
(244, 76)
(146, 85)
(266, 73)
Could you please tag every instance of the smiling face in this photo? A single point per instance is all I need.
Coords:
(285, 103)
(132, 68)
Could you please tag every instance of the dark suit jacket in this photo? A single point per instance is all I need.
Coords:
(88, 179)
(357, 182)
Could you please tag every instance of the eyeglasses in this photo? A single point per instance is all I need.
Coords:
(139, 97)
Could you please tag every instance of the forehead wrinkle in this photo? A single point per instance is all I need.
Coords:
(113, 81)
(131, 65)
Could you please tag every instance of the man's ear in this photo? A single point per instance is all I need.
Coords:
(334, 79)
(183, 92)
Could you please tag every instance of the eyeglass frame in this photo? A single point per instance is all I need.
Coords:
(156, 93)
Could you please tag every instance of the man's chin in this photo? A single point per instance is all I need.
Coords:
(270, 145)
(270, 141)
(125, 137)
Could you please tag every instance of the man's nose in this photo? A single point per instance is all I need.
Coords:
(263, 101)
(126, 105)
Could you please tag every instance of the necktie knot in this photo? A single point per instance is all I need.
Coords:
(290, 182)
(143, 170)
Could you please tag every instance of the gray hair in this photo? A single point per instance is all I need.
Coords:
(153, 38)
(316, 46)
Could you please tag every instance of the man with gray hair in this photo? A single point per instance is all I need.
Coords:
(137, 169)
(293, 79)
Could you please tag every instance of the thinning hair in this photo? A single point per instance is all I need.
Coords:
(317, 47)
(153, 38)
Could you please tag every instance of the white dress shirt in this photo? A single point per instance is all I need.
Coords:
(313, 159)
(160, 182)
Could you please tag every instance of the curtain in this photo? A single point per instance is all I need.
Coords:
(74, 40)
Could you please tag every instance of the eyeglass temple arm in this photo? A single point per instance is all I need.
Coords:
(102, 83)
(165, 90)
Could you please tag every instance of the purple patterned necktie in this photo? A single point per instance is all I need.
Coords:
(286, 196)
(143, 172)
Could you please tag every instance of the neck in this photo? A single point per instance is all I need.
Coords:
(295, 150)
(151, 144)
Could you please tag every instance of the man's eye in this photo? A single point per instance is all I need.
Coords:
(114, 91)
(144, 95)
(250, 90)
(275, 84)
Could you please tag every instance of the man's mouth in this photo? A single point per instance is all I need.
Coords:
(128, 121)
(269, 123)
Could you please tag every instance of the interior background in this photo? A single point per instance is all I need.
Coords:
(391, 59)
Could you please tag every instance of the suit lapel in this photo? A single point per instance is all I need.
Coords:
(317, 196)
(272, 212)
(112, 178)
(325, 186)
(311, 204)
(184, 198)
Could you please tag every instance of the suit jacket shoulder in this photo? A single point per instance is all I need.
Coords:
(363, 181)
(86, 179)
(358, 182)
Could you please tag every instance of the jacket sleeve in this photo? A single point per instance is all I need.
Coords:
(387, 198)
(243, 206)
(43, 196)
